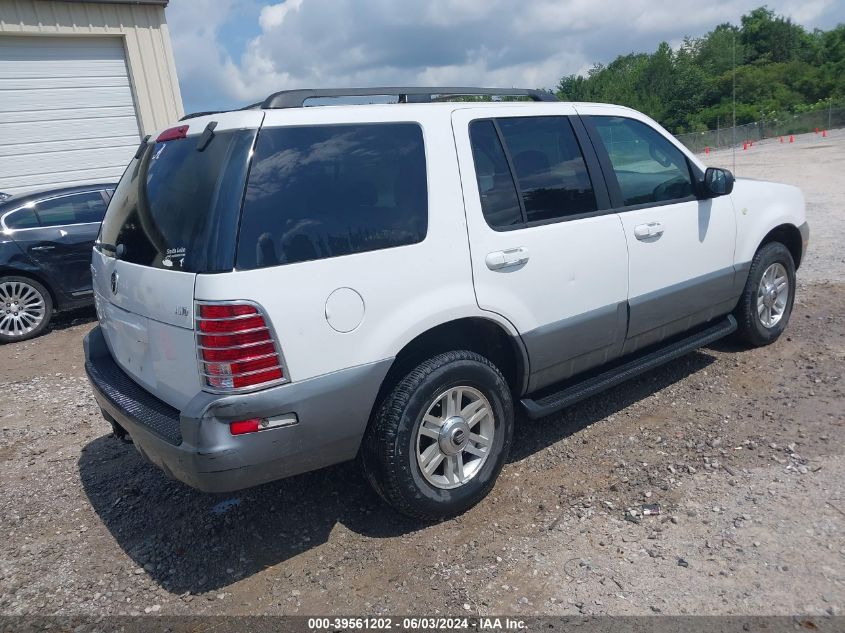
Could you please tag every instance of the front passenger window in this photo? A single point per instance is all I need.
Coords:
(648, 167)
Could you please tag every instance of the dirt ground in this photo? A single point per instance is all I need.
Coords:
(742, 450)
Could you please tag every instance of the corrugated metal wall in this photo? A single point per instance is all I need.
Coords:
(144, 34)
(67, 115)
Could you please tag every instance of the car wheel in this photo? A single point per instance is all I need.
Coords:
(25, 309)
(439, 440)
(766, 303)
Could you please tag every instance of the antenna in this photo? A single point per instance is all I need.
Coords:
(733, 98)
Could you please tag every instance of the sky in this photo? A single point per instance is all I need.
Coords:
(231, 53)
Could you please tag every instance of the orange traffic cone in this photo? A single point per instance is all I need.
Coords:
(824, 133)
(791, 138)
(817, 130)
(745, 146)
(707, 151)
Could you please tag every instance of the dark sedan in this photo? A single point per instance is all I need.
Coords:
(45, 255)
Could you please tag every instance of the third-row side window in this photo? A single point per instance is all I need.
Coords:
(550, 174)
(330, 190)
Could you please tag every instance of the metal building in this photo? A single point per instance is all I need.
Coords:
(81, 82)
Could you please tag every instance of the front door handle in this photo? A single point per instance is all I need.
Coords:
(42, 248)
(497, 260)
(645, 231)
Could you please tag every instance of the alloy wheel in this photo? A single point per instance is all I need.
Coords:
(772, 295)
(22, 308)
(455, 437)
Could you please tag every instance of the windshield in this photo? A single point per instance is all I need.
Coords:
(177, 206)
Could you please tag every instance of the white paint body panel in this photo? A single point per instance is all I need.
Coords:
(67, 115)
(406, 290)
(573, 267)
(760, 207)
(148, 325)
(698, 238)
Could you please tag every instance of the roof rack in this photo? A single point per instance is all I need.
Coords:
(297, 98)
(194, 115)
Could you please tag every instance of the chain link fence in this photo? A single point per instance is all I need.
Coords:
(765, 128)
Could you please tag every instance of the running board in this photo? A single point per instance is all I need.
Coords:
(573, 393)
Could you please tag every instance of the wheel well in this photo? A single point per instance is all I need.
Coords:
(789, 236)
(478, 335)
(14, 272)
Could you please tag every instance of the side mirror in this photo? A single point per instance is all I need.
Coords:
(717, 182)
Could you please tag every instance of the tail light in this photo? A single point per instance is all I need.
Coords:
(236, 348)
(173, 134)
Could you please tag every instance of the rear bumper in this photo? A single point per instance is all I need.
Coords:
(195, 446)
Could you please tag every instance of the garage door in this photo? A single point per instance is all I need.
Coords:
(66, 112)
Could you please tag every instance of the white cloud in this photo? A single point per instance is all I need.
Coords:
(807, 11)
(273, 15)
(322, 43)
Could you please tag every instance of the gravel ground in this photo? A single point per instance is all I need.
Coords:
(813, 163)
(742, 451)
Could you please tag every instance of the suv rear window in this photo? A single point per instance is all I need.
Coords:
(177, 207)
(324, 191)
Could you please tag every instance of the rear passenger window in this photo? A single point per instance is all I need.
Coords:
(77, 208)
(21, 219)
(499, 200)
(325, 191)
(549, 166)
(543, 158)
(648, 167)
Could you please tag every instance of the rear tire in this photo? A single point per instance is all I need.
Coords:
(26, 308)
(440, 438)
(765, 306)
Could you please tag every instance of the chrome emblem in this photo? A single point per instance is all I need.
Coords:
(114, 283)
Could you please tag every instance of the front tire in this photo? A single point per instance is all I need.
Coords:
(766, 303)
(440, 438)
(25, 309)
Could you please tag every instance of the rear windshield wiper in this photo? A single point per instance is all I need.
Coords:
(118, 250)
(142, 147)
(207, 135)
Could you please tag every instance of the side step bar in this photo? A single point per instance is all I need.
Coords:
(572, 393)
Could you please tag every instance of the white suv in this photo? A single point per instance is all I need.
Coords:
(283, 287)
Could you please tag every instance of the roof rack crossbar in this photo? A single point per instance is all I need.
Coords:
(297, 98)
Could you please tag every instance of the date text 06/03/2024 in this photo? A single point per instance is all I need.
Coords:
(416, 623)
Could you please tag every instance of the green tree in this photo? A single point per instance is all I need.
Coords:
(776, 65)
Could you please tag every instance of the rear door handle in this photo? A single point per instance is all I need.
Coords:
(509, 258)
(645, 231)
(42, 248)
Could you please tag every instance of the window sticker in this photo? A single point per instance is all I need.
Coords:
(174, 256)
